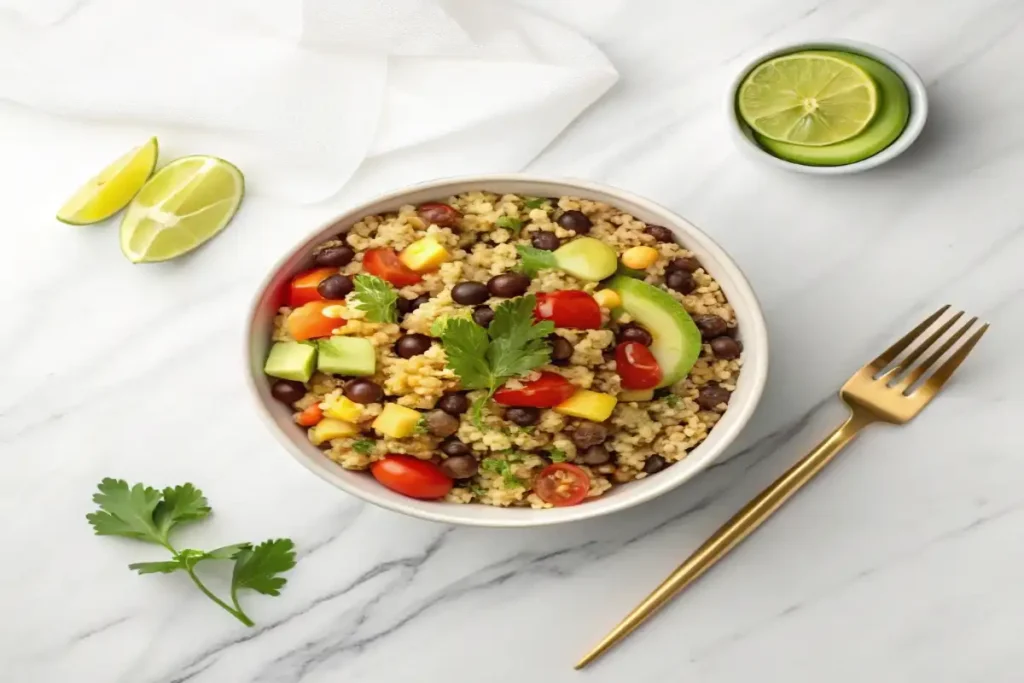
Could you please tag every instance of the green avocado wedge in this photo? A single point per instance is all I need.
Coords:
(676, 344)
(890, 119)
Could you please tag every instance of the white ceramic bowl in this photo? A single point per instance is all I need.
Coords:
(744, 139)
(361, 484)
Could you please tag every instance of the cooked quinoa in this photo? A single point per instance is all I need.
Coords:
(490, 458)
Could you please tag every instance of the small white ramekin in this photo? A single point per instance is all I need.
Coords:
(741, 406)
(744, 139)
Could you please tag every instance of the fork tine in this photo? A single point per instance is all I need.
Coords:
(919, 371)
(919, 350)
(890, 354)
(947, 369)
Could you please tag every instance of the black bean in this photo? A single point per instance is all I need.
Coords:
(335, 257)
(686, 264)
(711, 396)
(546, 240)
(523, 416)
(419, 301)
(363, 391)
(725, 347)
(631, 332)
(409, 345)
(440, 423)
(335, 287)
(710, 326)
(404, 305)
(681, 281)
(470, 293)
(589, 434)
(561, 349)
(595, 455)
(576, 221)
(483, 315)
(453, 447)
(508, 285)
(660, 233)
(460, 466)
(454, 404)
(654, 464)
(287, 391)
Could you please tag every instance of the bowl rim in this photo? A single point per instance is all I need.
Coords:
(915, 123)
(755, 340)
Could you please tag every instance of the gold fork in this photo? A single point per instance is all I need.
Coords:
(875, 393)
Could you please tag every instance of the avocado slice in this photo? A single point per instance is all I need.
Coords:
(346, 356)
(677, 342)
(886, 126)
(587, 258)
(291, 360)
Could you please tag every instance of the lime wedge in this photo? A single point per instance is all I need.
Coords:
(112, 189)
(808, 99)
(183, 206)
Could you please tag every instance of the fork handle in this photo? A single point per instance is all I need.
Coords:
(730, 534)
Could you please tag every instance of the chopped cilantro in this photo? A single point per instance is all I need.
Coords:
(364, 446)
(514, 225)
(557, 455)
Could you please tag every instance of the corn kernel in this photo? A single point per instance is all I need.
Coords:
(607, 298)
(423, 255)
(639, 258)
(329, 428)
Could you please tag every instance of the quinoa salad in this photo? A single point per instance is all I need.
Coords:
(505, 350)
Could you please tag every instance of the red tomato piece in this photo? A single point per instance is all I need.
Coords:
(309, 322)
(636, 366)
(547, 391)
(569, 308)
(385, 264)
(411, 477)
(439, 214)
(310, 416)
(303, 287)
(562, 484)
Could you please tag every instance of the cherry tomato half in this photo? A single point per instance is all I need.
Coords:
(562, 484)
(636, 366)
(569, 308)
(411, 476)
(303, 287)
(385, 264)
(547, 391)
(439, 214)
(309, 322)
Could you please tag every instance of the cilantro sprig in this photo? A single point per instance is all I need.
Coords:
(364, 446)
(534, 202)
(513, 225)
(511, 346)
(150, 515)
(557, 455)
(377, 298)
(532, 260)
(503, 468)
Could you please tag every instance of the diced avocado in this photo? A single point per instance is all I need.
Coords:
(397, 421)
(291, 360)
(329, 428)
(636, 395)
(590, 405)
(677, 342)
(347, 356)
(587, 258)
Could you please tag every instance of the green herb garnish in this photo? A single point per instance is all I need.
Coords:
(534, 202)
(671, 400)
(509, 223)
(557, 455)
(504, 469)
(477, 490)
(364, 446)
(147, 514)
(533, 260)
(421, 426)
(511, 346)
(377, 298)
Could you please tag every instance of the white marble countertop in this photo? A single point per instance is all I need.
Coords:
(902, 563)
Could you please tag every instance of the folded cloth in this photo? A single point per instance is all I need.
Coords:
(298, 93)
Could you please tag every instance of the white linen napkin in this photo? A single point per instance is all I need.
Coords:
(298, 93)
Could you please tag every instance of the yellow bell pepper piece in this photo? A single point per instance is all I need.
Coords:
(423, 255)
(397, 421)
(590, 405)
(329, 428)
(341, 408)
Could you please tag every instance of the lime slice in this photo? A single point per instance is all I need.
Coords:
(808, 99)
(184, 205)
(113, 188)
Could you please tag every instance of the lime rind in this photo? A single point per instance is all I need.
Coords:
(162, 224)
(113, 188)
